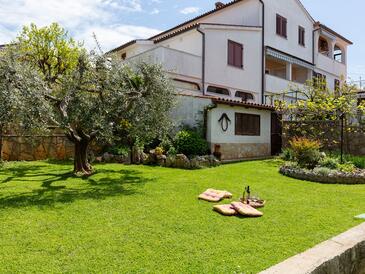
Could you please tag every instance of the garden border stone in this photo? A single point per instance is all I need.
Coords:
(343, 254)
(332, 178)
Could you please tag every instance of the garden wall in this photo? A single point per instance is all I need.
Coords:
(16, 148)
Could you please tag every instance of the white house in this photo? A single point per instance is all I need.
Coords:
(227, 65)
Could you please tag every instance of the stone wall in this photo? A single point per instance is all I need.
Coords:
(17, 148)
(232, 151)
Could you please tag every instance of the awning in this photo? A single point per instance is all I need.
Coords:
(287, 58)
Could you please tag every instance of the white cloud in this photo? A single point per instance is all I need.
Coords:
(189, 10)
(155, 11)
(80, 17)
(114, 36)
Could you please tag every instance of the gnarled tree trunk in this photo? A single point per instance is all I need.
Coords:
(81, 142)
(81, 163)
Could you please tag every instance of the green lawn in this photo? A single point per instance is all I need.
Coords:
(148, 219)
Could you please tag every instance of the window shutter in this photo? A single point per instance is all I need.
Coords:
(278, 25)
(235, 54)
(238, 55)
(247, 124)
(284, 25)
(230, 53)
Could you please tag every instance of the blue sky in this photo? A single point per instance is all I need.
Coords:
(117, 21)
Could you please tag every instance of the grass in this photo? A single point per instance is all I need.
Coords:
(147, 219)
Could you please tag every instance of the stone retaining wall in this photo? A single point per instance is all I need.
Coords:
(17, 148)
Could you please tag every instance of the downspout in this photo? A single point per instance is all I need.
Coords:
(263, 54)
(314, 45)
(203, 58)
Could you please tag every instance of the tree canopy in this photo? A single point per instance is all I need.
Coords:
(49, 80)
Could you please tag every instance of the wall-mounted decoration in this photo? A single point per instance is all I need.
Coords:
(225, 121)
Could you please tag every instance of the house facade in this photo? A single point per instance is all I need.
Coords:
(228, 65)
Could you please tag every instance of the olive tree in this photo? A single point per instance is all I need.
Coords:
(91, 99)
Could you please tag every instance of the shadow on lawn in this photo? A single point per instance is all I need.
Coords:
(122, 182)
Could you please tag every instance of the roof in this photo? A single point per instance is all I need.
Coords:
(158, 37)
(239, 103)
(190, 24)
(333, 32)
(197, 18)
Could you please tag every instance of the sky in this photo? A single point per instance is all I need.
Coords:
(118, 21)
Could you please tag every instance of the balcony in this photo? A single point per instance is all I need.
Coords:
(279, 85)
(173, 61)
(330, 65)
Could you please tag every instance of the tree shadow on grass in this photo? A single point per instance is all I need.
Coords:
(54, 189)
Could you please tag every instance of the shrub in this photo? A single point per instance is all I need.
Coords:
(287, 154)
(328, 162)
(190, 143)
(172, 151)
(323, 171)
(306, 152)
(120, 150)
(358, 161)
(347, 167)
(159, 151)
(166, 144)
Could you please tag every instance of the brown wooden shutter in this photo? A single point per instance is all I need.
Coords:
(247, 124)
(238, 55)
(230, 53)
(278, 25)
(284, 26)
(235, 54)
(301, 34)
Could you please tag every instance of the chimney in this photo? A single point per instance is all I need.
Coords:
(219, 5)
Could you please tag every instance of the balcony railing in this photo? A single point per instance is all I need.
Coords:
(279, 85)
(173, 61)
(330, 65)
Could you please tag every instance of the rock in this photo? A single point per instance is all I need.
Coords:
(182, 161)
(98, 159)
(161, 160)
(150, 159)
(107, 157)
(170, 161)
(120, 159)
(144, 157)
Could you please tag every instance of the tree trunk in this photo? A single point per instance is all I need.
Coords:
(81, 163)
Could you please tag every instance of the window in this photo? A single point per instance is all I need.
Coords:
(185, 85)
(337, 85)
(319, 80)
(247, 124)
(244, 95)
(235, 54)
(281, 26)
(124, 56)
(218, 90)
(301, 34)
(338, 54)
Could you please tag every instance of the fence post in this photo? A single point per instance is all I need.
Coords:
(342, 135)
(1, 143)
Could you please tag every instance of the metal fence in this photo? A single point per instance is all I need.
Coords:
(335, 136)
